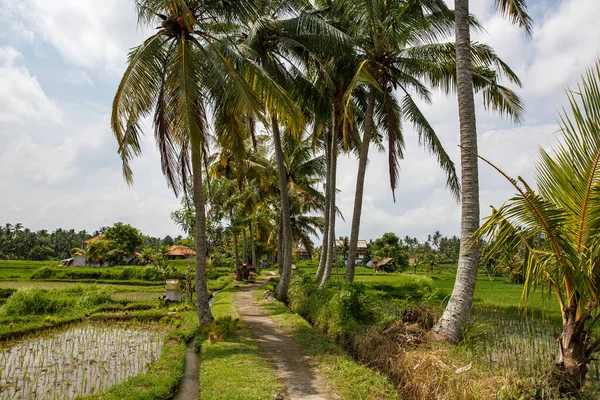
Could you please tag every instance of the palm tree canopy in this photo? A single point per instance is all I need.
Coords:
(564, 211)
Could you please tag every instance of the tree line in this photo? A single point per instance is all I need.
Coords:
(18, 242)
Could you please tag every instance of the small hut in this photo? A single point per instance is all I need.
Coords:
(180, 252)
(386, 265)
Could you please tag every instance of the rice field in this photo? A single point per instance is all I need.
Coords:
(526, 344)
(79, 361)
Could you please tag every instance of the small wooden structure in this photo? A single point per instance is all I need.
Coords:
(173, 290)
(386, 265)
(301, 254)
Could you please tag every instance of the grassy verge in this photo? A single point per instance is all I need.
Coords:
(344, 375)
(161, 381)
(234, 368)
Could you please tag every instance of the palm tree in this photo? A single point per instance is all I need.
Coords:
(286, 49)
(174, 74)
(399, 45)
(565, 213)
(457, 310)
(384, 31)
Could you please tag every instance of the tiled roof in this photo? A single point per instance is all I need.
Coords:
(180, 250)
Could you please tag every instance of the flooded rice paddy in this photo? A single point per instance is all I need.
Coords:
(81, 360)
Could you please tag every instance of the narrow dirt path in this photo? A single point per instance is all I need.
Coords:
(301, 380)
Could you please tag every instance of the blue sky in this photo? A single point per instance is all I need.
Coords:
(61, 61)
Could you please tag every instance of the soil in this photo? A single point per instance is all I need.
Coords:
(292, 364)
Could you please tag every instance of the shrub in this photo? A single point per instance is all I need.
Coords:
(221, 328)
(37, 302)
(94, 298)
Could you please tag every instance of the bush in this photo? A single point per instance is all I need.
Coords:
(37, 302)
(221, 328)
(94, 298)
(85, 273)
(339, 315)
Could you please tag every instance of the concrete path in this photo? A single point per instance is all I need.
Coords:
(301, 380)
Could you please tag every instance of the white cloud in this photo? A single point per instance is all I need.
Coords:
(69, 175)
(87, 34)
(22, 99)
(77, 182)
(78, 78)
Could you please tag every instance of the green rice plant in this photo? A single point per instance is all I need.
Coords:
(95, 298)
(77, 361)
(37, 302)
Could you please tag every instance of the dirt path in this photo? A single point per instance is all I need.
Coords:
(301, 380)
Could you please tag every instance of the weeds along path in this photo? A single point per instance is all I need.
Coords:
(301, 380)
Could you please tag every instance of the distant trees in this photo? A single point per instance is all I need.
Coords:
(390, 246)
(20, 243)
(126, 239)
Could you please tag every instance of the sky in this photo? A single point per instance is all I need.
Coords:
(61, 62)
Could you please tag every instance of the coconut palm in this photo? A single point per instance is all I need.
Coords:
(457, 310)
(175, 73)
(399, 45)
(286, 49)
(565, 212)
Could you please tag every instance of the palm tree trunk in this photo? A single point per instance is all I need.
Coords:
(244, 246)
(236, 256)
(360, 184)
(284, 282)
(456, 313)
(253, 248)
(324, 246)
(204, 315)
(572, 361)
(280, 251)
(331, 249)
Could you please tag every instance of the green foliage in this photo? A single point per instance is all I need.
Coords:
(339, 314)
(388, 246)
(37, 302)
(104, 274)
(90, 299)
(125, 236)
(221, 328)
(348, 378)
(6, 293)
(565, 211)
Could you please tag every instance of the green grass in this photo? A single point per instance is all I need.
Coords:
(10, 269)
(234, 368)
(489, 294)
(344, 375)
